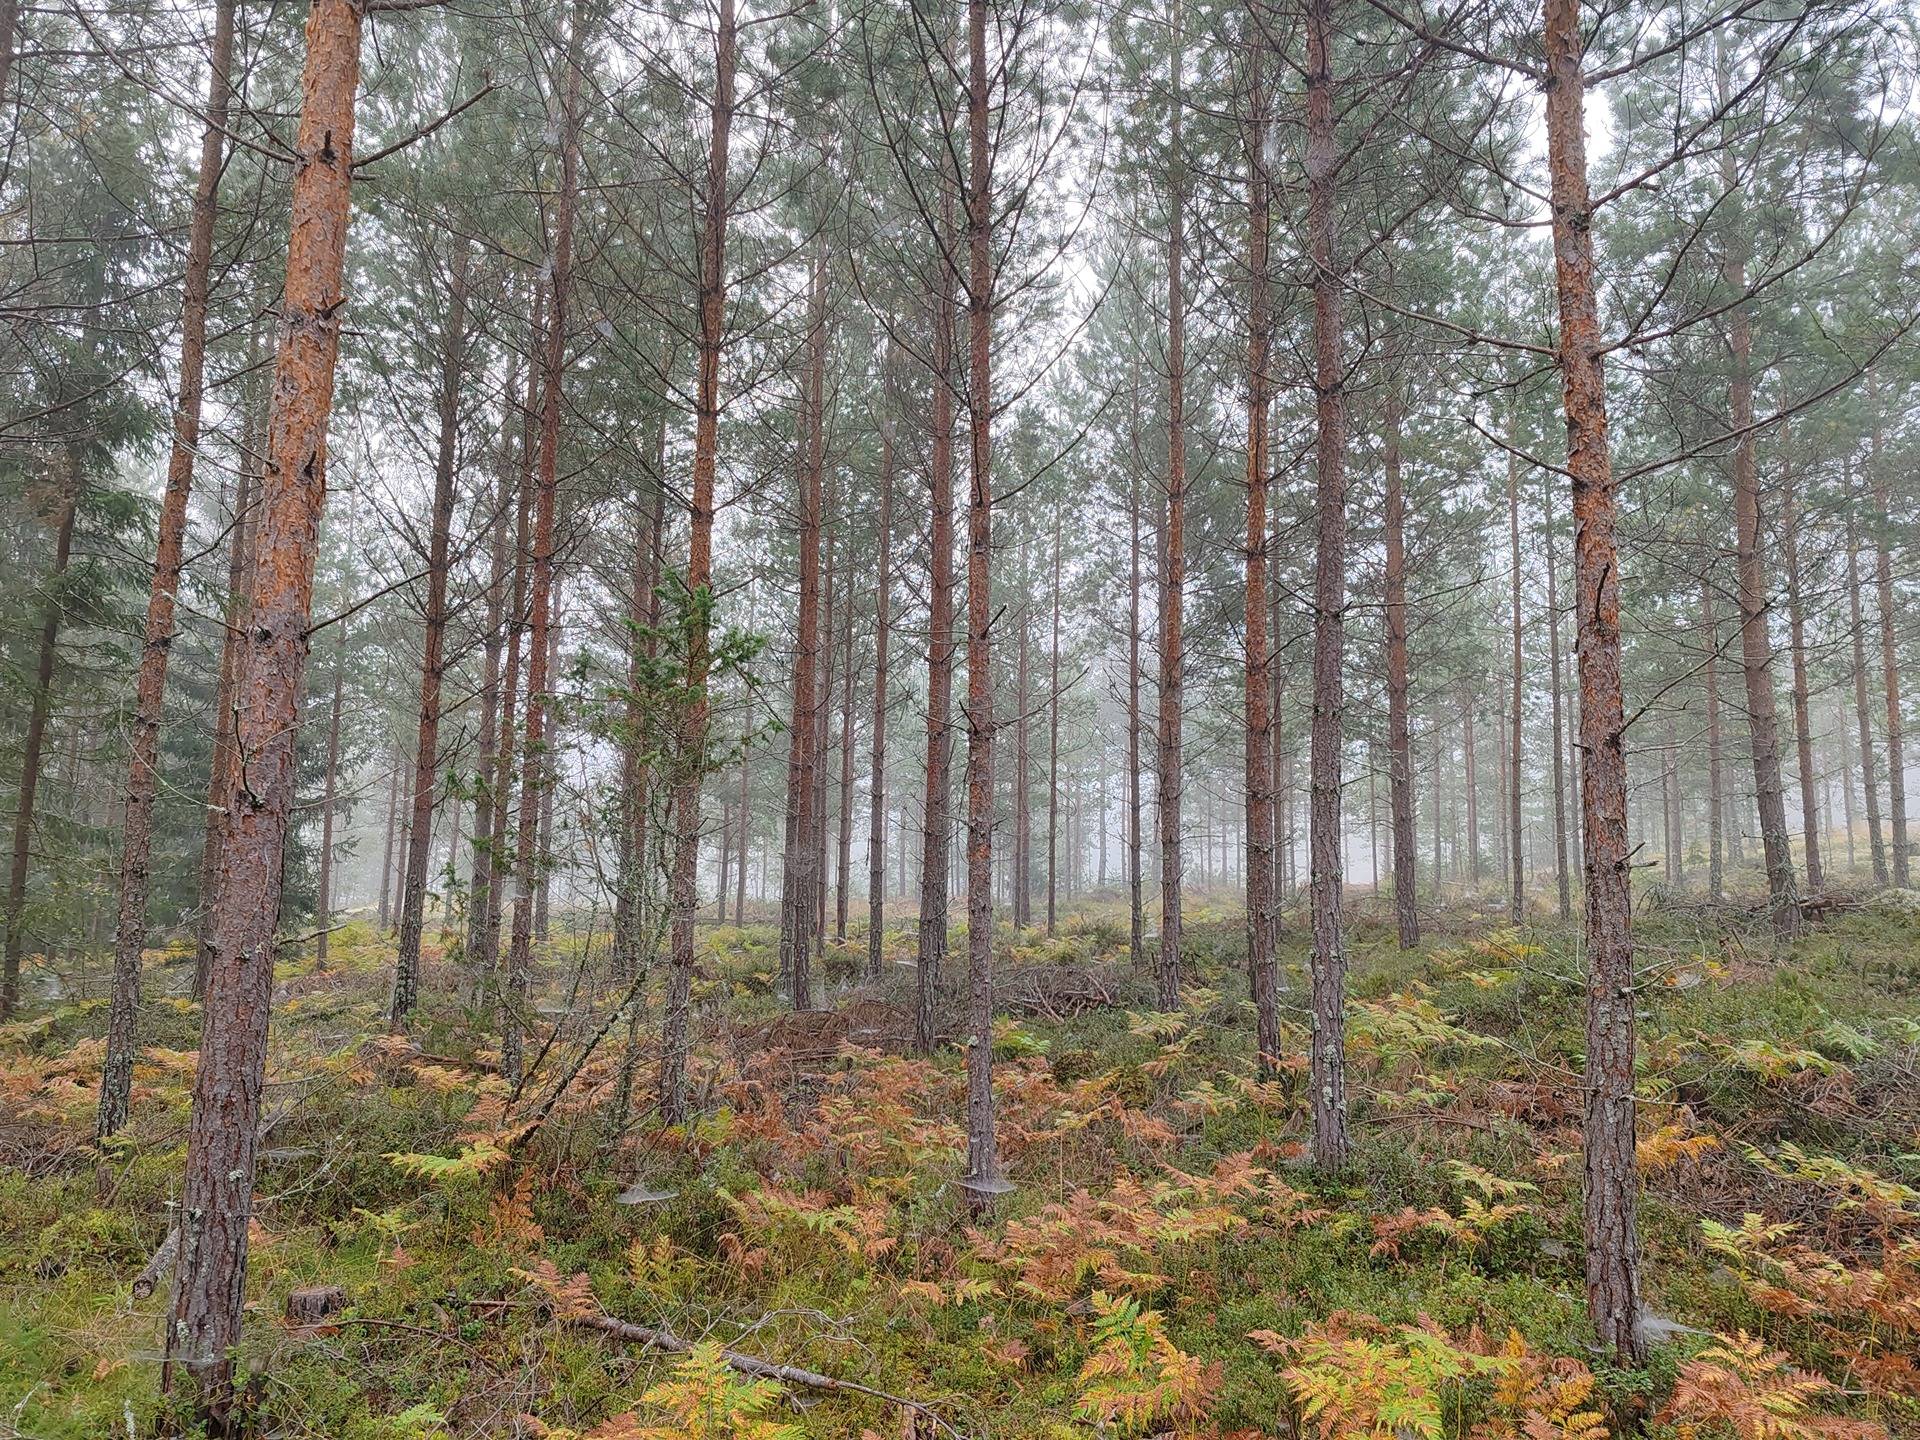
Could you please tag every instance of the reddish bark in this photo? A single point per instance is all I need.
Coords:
(1328, 1063)
(1611, 1183)
(223, 1133)
(143, 761)
(426, 755)
(683, 895)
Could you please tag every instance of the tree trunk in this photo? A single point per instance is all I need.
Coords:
(486, 796)
(745, 830)
(1022, 869)
(323, 900)
(386, 849)
(543, 865)
(35, 742)
(798, 883)
(1670, 805)
(1611, 1183)
(1406, 911)
(843, 860)
(936, 810)
(223, 1131)
(534, 759)
(1470, 753)
(1802, 723)
(426, 755)
(877, 762)
(683, 884)
(143, 761)
(1053, 744)
(499, 866)
(1328, 1082)
(1136, 840)
(1756, 647)
(983, 1179)
(1716, 785)
(1173, 578)
(816, 842)
(1258, 737)
(1562, 871)
(1869, 783)
(239, 559)
(1889, 664)
(1515, 851)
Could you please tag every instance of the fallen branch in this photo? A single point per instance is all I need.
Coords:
(148, 1280)
(666, 1340)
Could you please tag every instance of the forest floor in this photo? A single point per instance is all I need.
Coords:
(1168, 1262)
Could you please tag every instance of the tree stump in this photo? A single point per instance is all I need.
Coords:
(312, 1306)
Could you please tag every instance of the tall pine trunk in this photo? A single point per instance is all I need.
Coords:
(683, 882)
(1053, 746)
(1328, 1013)
(433, 665)
(936, 808)
(1406, 912)
(1257, 736)
(216, 1202)
(1173, 575)
(535, 766)
(877, 762)
(1516, 852)
(323, 895)
(1610, 1189)
(1802, 722)
(143, 760)
(1889, 664)
(1136, 840)
(493, 645)
(1869, 783)
(38, 712)
(843, 833)
(983, 1179)
(1716, 783)
(799, 877)
(1563, 878)
(239, 558)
